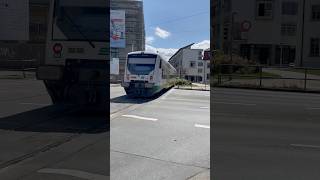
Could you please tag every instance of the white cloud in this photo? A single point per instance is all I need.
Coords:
(205, 44)
(162, 33)
(149, 40)
(166, 53)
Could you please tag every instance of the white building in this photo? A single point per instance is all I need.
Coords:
(269, 31)
(190, 65)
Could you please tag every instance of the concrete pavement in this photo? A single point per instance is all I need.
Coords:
(42, 141)
(265, 135)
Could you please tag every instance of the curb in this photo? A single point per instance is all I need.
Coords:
(269, 89)
(195, 89)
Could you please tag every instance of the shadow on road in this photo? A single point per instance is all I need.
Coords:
(129, 100)
(56, 119)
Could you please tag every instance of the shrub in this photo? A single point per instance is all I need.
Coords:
(180, 82)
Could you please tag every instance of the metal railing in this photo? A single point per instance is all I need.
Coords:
(267, 77)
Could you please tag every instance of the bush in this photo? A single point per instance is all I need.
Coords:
(238, 64)
(180, 82)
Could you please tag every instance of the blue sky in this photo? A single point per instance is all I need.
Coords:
(172, 24)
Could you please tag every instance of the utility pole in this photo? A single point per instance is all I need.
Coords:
(302, 33)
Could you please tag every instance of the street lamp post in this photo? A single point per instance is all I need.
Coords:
(302, 34)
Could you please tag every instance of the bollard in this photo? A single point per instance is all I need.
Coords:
(260, 76)
(305, 79)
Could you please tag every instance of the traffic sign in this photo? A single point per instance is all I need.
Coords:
(245, 26)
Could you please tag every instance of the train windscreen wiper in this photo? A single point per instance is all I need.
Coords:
(77, 28)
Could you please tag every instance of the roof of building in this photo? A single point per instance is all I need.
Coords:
(185, 47)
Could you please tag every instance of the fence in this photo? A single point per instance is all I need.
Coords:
(266, 77)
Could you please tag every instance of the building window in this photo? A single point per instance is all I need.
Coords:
(264, 8)
(199, 70)
(208, 76)
(208, 65)
(289, 8)
(316, 12)
(192, 64)
(315, 47)
(200, 63)
(288, 29)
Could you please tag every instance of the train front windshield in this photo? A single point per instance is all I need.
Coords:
(82, 23)
(141, 66)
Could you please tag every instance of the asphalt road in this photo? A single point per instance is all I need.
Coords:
(41, 141)
(162, 138)
(263, 135)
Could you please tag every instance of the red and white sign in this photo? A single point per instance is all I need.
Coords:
(245, 26)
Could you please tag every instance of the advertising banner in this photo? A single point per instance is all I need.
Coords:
(117, 29)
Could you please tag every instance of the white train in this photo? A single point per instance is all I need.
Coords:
(146, 74)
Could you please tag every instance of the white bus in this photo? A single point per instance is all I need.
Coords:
(146, 74)
(75, 68)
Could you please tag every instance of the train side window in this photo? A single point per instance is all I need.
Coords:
(160, 64)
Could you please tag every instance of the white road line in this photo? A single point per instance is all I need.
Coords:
(35, 104)
(205, 107)
(231, 103)
(305, 146)
(314, 108)
(140, 117)
(202, 126)
(74, 173)
(189, 100)
(167, 94)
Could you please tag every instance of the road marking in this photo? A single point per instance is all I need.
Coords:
(243, 104)
(140, 117)
(305, 146)
(314, 108)
(74, 173)
(205, 107)
(167, 94)
(202, 126)
(189, 100)
(35, 104)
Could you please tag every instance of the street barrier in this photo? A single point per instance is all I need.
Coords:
(266, 77)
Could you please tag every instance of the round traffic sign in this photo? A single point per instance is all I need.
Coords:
(245, 26)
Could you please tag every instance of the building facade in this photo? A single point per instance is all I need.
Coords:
(271, 32)
(135, 31)
(30, 53)
(191, 64)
